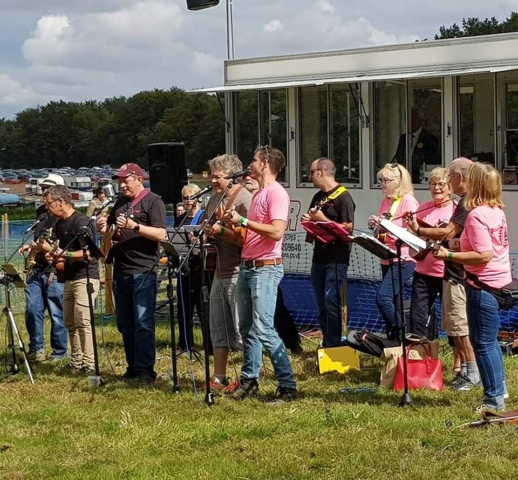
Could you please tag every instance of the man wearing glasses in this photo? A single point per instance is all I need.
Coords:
(332, 203)
(139, 219)
(260, 274)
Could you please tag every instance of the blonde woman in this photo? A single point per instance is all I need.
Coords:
(192, 208)
(398, 200)
(429, 271)
(484, 252)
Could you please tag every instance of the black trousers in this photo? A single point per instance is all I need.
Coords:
(424, 292)
(284, 324)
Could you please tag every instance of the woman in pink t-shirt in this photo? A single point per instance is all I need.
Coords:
(429, 271)
(484, 252)
(398, 199)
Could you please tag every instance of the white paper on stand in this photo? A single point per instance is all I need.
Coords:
(413, 241)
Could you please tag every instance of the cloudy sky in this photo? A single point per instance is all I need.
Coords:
(93, 49)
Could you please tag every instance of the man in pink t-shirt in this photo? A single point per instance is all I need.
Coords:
(260, 274)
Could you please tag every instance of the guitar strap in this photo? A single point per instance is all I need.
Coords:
(138, 198)
(393, 208)
(337, 193)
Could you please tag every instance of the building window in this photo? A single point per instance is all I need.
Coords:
(476, 118)
(345, 128)
(420, 101)
(330, 126)
(260, 118)
(313, 121)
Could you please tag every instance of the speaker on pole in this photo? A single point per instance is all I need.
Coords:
(167, 171)
(201, 4)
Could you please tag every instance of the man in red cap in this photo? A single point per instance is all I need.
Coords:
(138, 217)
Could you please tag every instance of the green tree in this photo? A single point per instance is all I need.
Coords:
(472, 27)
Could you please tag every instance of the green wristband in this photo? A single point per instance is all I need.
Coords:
(221, 231)
(450, 255)
(70, 255)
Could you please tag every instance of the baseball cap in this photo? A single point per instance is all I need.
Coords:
(129, 169)
(53, 179)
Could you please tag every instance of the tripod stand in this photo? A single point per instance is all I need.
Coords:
(11, 277)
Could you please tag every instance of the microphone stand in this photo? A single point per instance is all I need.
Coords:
(209, 395)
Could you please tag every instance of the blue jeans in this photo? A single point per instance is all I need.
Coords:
(388, 296)
(327, 283)
(41, 295)
(256, 295)
(484, 323)
(135, 311)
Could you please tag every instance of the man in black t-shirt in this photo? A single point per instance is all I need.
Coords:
(332, 203)
(73, 262)
(454, 317)
(139, 218)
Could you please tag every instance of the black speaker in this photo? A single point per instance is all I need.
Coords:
(167, 171)
(201, 4)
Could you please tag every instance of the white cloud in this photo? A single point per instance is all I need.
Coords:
(83, 49)
(273, 26)
(204, 63)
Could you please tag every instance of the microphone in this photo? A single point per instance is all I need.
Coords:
(108, 190)
(207, 189)
(101, 207)
(42, 217)
(233, 176)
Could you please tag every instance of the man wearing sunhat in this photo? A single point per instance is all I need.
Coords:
(43, 292)
(139, 218)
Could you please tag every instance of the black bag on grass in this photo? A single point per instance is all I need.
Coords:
(367, 342)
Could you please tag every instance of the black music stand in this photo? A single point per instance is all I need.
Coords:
(10, 276)
(173, 260)
(403, 236)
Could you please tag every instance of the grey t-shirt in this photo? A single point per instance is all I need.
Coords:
(228, 254)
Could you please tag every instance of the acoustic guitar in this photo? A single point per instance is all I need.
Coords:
(112, 239)
(30, 261)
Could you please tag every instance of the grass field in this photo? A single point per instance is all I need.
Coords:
(62, 428)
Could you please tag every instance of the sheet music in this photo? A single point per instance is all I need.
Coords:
(373, 245)
(414, 242)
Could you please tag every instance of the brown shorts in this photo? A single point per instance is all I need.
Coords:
(454, 319)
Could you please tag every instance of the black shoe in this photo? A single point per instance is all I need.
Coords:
(297, 351)
(146, 380)
(87, 370)
(248, 387)
(128, 376)
(283, 395)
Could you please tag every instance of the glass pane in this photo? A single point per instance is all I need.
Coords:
(389, 122)
(466, 120)
(476, 118)
(345, 133)
(424, 139)
(246, 108)
(313, 128)
(508, 126)
(273, 123)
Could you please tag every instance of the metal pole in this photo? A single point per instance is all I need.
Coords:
(230, 30)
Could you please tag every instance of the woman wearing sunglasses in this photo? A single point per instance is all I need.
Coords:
(396, 184)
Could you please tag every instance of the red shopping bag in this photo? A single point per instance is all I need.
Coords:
(422, 373)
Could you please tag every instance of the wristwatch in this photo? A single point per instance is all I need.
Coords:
(243, 222)
(136, 228)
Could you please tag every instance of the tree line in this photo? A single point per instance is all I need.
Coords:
(114, 131)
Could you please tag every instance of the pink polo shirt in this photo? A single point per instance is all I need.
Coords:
(433, 215)
(485, 230)
(268, 204)
(408, 204)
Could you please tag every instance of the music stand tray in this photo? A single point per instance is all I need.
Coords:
(10, 270)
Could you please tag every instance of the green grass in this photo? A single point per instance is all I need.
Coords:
(63, 428)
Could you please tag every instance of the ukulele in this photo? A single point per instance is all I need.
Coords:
(431, 245)
(30, 261)
(113, 238)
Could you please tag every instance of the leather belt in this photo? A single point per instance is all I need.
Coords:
(260, 263)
